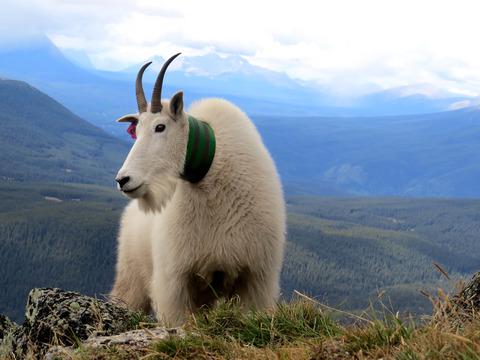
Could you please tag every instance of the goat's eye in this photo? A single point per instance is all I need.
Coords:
(159, 128)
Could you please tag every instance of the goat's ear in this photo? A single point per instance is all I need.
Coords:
(128, 118)
(176, 104)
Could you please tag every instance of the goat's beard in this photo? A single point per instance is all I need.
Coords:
(158, 194)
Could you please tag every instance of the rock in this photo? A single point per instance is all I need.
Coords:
(9, 331)
(136, 338)
(70, 317)
(466, 303)
(65, 318)
(59, 352)
(468, 299)
(132, 342)
(6, 326)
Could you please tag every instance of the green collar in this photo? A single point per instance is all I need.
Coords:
(200, 150)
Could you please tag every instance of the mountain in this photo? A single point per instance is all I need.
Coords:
(405, 100)
(79, 58)
(102, 96)
(40, 60)
(420, 155)
(235, 76)
(41, 140)
(42, 65)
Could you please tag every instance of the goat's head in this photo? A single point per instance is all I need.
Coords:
(151, 168)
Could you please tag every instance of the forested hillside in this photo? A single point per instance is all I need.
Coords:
(42, 140)
(342, 251)
(431, 155)
(55, 235)
(348, 250)
(423, 155)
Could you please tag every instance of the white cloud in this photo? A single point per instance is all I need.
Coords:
(348, 44)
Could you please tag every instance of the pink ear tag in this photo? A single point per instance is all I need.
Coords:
(132, 130)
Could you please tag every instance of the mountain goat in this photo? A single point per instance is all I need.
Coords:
(207, 219)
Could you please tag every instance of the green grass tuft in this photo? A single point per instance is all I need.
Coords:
(389, 332)
(288, 322)
(192, 347)
(139, 319)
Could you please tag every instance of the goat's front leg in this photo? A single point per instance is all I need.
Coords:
(170, 299)
(132, 278)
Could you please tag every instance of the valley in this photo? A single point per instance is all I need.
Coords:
(373, 202)
(342, 251)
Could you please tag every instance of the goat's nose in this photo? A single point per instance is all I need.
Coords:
(122, 181)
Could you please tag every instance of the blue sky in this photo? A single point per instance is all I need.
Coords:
(348, 45)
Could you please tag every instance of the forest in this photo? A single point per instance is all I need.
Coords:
(342, 251)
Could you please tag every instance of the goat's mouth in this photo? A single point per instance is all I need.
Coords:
(135, 192)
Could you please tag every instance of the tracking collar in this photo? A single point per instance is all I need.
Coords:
(200, 150)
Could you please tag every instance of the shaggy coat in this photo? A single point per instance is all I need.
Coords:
(181, 246)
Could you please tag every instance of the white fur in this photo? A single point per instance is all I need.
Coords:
(174, 233)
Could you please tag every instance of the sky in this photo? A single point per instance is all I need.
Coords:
(348, 45)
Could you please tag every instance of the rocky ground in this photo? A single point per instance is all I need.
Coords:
(68, 325)
(65, 319)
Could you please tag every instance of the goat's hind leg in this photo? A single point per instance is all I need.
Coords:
(257, 292)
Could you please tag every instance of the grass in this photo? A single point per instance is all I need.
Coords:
(227, 332)
(303, 329)
(307, 329)
(289, 322)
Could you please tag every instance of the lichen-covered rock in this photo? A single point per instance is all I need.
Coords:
(65, 318)
(14, 341)
(468, 299)
(465, 305)
(6, 326)
(9, 332)
(68, 317)
(135, 343)
(136, 338)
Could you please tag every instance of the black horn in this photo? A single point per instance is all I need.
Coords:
(157, 90)
(141, 101)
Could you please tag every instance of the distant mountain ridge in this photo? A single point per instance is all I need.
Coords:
(420, 155)
(430, 155)
(417, 99)
(233, 75)
(102, 96)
